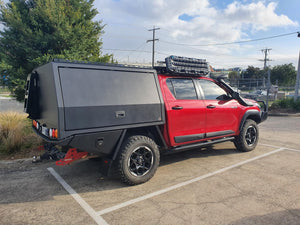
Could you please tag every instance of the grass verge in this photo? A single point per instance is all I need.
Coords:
(286, 105)
(17, 139)
(4, 90)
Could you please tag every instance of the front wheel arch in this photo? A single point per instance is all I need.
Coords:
(252, 115)
(248, 138)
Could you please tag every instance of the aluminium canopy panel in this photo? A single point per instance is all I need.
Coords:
(100, 97)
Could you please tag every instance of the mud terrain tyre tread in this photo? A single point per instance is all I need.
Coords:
(247, 144)
(129, 148)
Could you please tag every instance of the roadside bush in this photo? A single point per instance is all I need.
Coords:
(16, 134)
(12, 131)
(287, 104)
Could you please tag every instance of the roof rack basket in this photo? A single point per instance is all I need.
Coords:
(186, 66)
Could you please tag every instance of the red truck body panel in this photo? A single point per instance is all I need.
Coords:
(194, 120)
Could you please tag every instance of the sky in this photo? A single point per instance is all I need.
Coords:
(202, 29)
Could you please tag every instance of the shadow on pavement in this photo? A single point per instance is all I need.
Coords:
(288, 217)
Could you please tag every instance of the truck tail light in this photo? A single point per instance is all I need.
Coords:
(51, 133)
(55, 133)
(36, 124)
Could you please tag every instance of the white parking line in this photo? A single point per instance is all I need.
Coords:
(273, 146)
(98, 219)
(294, 150)
(142, 198)
(97, 215)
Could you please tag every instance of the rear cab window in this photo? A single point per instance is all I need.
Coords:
(182, 88)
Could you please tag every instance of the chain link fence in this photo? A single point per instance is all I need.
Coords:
(257, 89)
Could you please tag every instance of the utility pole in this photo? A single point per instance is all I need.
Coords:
(268, 88)
(298, 77)
(265, 51)
(265, 60)
(153, 43)
(297, 81)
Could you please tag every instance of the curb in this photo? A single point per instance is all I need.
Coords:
(284, 114)
(6, 98)
(11, 161)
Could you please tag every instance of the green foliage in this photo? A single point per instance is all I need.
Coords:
(285, 74)
(37, 31)
(253, 72)
(4, 69)
(233, 75)
(17, 88)
(287, 103)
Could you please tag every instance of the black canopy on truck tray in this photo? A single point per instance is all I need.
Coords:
(81, 98)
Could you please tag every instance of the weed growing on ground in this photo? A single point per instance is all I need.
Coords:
(15, 133)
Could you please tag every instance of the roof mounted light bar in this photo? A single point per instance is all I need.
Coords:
(187, 66)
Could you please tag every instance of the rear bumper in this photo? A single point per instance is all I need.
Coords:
(100, 143)
(62, 142)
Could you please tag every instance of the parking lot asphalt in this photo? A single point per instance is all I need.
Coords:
(215, 185)
(10, 104)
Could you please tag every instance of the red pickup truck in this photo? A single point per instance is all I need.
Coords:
(129, 116)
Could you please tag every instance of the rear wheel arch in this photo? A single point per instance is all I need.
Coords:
(152, 132)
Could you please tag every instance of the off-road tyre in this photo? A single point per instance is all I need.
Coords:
(248, 137)
(138, 160)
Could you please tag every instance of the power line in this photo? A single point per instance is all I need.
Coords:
(132, 50)
(125, 50)
(140, 47)
(235, 42)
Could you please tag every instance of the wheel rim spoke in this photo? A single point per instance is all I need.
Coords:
(140, 161)
(251, 135)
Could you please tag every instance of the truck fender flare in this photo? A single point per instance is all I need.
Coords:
(120, 142)
(155, 130)
(253, 114)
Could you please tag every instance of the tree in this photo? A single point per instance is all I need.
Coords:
(253, 72)
(37, 31)
(233, 75)
(285, 74)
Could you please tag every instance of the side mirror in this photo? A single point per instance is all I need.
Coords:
(223, 97)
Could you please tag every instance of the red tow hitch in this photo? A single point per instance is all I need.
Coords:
(61, 158)
(71, 156)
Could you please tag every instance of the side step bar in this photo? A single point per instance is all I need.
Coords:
(197, 145)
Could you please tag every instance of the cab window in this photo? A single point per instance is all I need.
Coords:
(210, 89)
(182, 88)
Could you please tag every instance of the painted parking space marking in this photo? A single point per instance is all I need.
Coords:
(97, 215)
(290, 149)
(98, 219)
(142, 198)
(285, 148)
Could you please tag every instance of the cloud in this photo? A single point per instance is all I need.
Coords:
(256, 15)
(203, 18)
(192, 22)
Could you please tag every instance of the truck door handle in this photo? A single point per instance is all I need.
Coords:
(211, 106)
(177, 107)
(120, 114)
